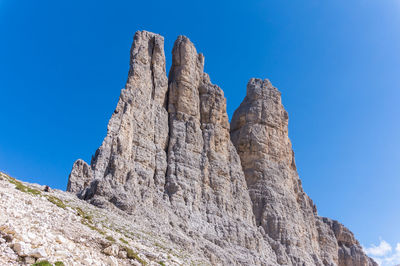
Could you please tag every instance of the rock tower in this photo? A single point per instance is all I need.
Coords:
(228, 192)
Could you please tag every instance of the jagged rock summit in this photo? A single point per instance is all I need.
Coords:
(229, 193)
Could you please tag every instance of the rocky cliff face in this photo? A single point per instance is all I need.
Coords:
(260, 134)
(228, 192)
(130, 165)
(259, 131)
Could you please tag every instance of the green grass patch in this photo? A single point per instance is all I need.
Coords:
(110, 238)
(59, 263)
(133, 255)
(80, 212)
(84, 215)
(42, 263)
(123, 241)
(22, 187)
(87, 220)
(91, 226)
(27, 189)
(161, 263)
(56, 201)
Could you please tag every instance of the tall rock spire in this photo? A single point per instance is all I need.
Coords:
(259, 131)
(260, 134)
(132, 158)
(204, 181)
(203, 167)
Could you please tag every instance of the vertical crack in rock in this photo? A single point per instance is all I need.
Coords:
(169, 162)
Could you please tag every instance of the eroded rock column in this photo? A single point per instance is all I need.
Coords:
(132, 158)
(259, 131)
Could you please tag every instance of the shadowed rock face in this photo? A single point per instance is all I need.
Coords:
(168, 159)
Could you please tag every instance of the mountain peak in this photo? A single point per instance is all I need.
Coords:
(230, 192)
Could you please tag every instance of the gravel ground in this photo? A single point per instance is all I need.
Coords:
(57, 227)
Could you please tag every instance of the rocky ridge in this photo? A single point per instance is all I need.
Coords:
(227, 194)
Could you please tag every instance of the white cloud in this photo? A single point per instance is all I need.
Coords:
(381, 250)
(383, 254)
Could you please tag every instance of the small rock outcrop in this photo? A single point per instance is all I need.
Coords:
(227, 192)
(80, 176)
(350, 251)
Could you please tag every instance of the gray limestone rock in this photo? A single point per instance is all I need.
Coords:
(350, 251)
(259, 131)
(260, 134)
(168, 160)
(130, 165)
(204, 171)
(80, 177)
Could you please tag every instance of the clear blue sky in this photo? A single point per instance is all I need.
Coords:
(337, 63)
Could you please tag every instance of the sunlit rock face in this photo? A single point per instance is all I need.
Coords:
(229, 193)
(259, 131)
